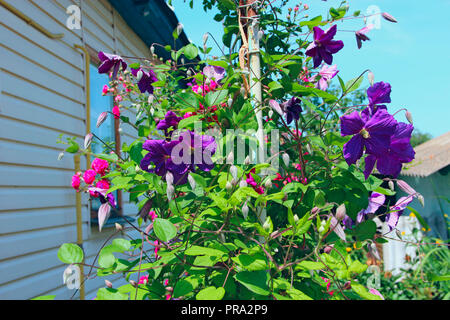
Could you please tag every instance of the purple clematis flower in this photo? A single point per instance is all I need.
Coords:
(170, 120)
(373, 134)
(324, 46)
(326, 74)
(160, 155)
(379, 93)
(361, 35)
(111, 61)
(400, 151)
(399, 207)
(145, 83)
(376, 200)
(292, 108)
(196, 151)
(214, 72)
(103, 197)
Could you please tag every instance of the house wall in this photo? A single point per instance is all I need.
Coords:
(42, 95)
(432, 188)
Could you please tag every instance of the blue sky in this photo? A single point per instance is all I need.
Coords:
(412, 55)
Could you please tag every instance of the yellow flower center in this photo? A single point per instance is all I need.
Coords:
(365, 133)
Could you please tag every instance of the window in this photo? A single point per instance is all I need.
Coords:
(106, 132)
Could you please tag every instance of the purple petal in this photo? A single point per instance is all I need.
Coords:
(389, 166)
(370, 164)
(351, 124)
(353, 149)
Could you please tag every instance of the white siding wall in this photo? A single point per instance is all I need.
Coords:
(42, 94)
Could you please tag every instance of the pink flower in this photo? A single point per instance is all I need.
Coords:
(76, 181)
(143, 280)
(326, 74)
(118, 98)
(116, 112)
(152, 215)
(100, 166)
(166, 282)
(168, 297)
(89, 176)
(105, 90)
(103, 184)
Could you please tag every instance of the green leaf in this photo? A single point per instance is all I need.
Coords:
(353, 84)
(365, 230)
(189, 122)
(419, 217)
(44, 298)
(121, 244)
(110, 294)
(363, 292)
(215, 97)
(190, 51)
(186, 286)
(255, 281)
(311, 265)
(202, 251)
(229, 4)
(70, 253)
(211, 293)
(164, 229)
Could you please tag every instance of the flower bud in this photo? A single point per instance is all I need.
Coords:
(270, 114)
(152, 111)
(247, 160)
(101, 118)
(421, 200)
(191, 182)
(391, 185)
(179, 28)
(205, 38)
(245, 210)
(108, 284)
(60, 156)
(169, 178)
(268, 184)
(233, 182)
(230, 102)
(328, 249)
(118, 227)
(260, 35)
(405, 187)
(296, 218)
(371, 78)
(266, 225)
(134, 283)
(139, 75)
(189, 73)
(286, 159)
(341, 212)
(229, 186)
(152, 50)
(276, 107)
(388, 17)
(88, 140)
(170, 192)
(399, 234)
(409, 117)
(182, 61)
(315, 210)
(347, 285)
(230, 158)
(321, 229)
(374, 251)
(151, 98)
(243, 184)
(233, 171)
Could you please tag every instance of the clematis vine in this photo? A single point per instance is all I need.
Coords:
(111, 61)
(171, 120)
(372, 134)
(323, 47)
(145, 79)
